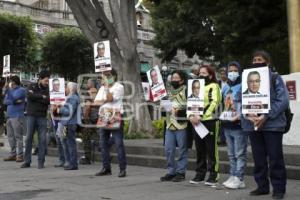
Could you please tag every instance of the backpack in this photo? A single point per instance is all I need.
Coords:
(288, 113)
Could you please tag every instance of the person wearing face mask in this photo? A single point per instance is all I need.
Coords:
(175, 133)
(266, 133)
(36, 108)
(15, 101)
(235, 137)
(110, 96)
(207, 148)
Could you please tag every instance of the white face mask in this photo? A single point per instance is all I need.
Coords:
(10, 85)
(233, 76)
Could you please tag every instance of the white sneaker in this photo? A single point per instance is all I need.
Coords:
(228, 180)
(242, 185)
(236, 183)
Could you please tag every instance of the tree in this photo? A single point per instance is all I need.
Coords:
(223, 28)
(118, 25)
(18, 39)
(67, 52)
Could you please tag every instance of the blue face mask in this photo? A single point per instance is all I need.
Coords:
(233, 76)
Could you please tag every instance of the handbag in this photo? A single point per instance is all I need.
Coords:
(109, 119)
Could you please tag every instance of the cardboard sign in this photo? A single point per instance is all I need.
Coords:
(57, 90)
(195, 100)
(156, 83)
(291, 87)
(256, 91)
(102, 56)
(6, 66)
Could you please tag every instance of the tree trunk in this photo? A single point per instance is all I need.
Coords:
(93, 22)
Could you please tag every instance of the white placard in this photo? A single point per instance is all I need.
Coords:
(57, 90)
(195, 101)
(146, 90)
(156, 83)
(6, 66)
(256, 91)
(102, 56)
(201, 130)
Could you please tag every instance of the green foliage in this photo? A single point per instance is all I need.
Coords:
(18, 39)
(158, 126)
(68, 53)
(224, 28)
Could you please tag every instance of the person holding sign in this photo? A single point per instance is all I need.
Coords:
(207, 149)
(109, 98)
(15, 101)
(266, 133)
(176, 130)
(235, 137)
(67, 125)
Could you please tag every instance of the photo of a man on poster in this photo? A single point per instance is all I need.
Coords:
(253, 82)
(195, 89)
(55, 85)
(6, 66)
(100, 50)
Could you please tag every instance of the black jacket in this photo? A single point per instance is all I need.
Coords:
(37, 105)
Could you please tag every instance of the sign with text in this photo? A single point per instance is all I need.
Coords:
(256, 91)
(6, 66)
(156, 83)
(57, 90)
(195, 100)
(291, 87)
(102, 56)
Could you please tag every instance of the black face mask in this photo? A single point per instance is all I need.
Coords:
(256, 65)
(206, 78)
(175, 84)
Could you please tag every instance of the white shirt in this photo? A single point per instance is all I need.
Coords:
(117, 91)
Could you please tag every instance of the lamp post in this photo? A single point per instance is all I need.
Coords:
(164, 73)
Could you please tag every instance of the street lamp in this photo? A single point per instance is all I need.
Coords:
(164, 73)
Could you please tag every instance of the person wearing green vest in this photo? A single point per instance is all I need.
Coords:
(207, 148)
(176, 134)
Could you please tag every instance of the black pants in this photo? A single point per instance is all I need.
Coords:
(207, 152)
(268, 156)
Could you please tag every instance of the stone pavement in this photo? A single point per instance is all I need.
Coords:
(141, 183)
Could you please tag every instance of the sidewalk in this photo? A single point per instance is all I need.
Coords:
(141, 183)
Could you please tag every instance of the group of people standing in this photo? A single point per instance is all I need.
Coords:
(66, 119)
(264, 130)
(266, 140)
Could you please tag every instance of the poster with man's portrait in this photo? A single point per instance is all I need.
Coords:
(146, 90)
(195, 100)
(6, 66)
(156, 83)
(256, 91)
(57, 90)
(102, 56)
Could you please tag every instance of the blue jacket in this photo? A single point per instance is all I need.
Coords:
(71, 111)
(276, 120)
(15, 101)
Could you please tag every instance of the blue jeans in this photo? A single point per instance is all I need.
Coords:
(237, 151)
(70, 146)
(33, 124)
(105, 147)
(172, 138)
(60, 146)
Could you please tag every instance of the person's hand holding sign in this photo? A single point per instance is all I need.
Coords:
(260, 121)
(195, 119)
